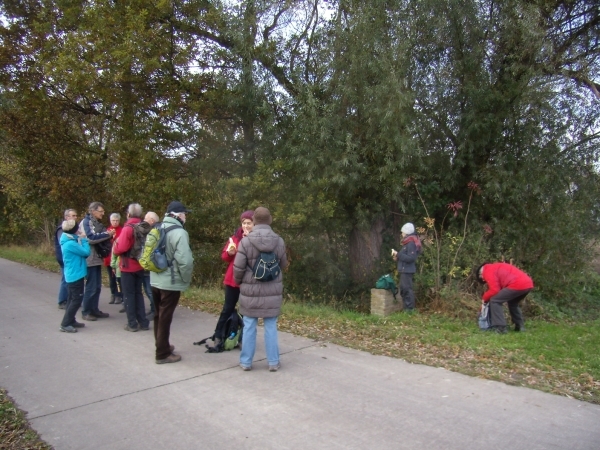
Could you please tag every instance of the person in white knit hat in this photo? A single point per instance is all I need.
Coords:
(407, 257)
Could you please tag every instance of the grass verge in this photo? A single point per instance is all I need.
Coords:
(15, 432)
(560, 358)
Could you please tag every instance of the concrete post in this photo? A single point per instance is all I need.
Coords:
(383, 303)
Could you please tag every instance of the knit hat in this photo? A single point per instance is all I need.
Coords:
(68, 226)
(262, 216)
(177, 207)
(408, 228)
(247, 215)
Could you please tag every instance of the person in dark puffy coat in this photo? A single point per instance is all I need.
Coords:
(505, 284)
(407, 257)
(259, 299)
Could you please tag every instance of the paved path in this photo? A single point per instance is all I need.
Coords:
(100, 389)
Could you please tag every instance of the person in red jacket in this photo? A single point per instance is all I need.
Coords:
(505, 284)
(232, 290)
(132, 273)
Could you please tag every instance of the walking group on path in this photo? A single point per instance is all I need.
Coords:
(82, 248)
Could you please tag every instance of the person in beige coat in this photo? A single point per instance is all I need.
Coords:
(259, 299)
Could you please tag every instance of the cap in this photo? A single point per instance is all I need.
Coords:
(177, 207)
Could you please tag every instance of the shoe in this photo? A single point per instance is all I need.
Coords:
(122, 309)
(89, 317)
(62, 305)
(68, 329)
(118, 300)
(144, 328)
(169, 359)
(128, 328)
(171, 348)
(112, 300)
(78, 324)
(274, 368)
(246, 368)
(150, 316)
(520, 328)
(100, 315)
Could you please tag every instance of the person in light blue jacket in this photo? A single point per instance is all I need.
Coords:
(75, 250)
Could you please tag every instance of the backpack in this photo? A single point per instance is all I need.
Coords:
(104, 248)
(388, 283)
(266, 267)
(233, 331)
(139, 240)
(483, 318)
(153, 256)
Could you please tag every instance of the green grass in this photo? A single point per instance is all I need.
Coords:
(559, 357)
(15, 433)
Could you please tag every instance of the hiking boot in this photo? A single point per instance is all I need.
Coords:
(274, 368)
(89, 317)
(150, 316)
(146, 328)
(520, 328)
(128, 328)
(122, 309)
(169, 359)
(62, 305)
(118, 300)
(246, 368)
(78, 324)
(100, 315)
(112, 300)
(68, 329)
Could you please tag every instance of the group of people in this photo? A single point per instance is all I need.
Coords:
(505, 283)
(79, 253)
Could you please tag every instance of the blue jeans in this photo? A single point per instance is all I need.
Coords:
(63, 291)
(93, 285)
(249, 342)
(148, 290)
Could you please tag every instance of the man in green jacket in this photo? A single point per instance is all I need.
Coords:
(167, 286)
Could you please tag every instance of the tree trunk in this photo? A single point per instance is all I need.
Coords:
(365, 250)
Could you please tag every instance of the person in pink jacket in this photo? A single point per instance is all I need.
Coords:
(232, 289)
(505, 284)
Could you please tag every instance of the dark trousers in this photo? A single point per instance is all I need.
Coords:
(513, 299)
(114, 283)
(74, 301)
(165, 303)
(232, 294)
(406, 291)
(134, 299)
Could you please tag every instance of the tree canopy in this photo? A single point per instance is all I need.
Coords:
(346, 118)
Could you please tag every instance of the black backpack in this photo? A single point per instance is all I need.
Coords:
(266, 267)
(231, 337)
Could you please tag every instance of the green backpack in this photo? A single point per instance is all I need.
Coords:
(154, 256)
(387, 282)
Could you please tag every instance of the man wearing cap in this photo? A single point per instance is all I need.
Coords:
(407, 257)
(167, 286)
(259, 299)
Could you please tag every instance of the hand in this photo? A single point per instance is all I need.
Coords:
(112, 232)
(231, 251)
